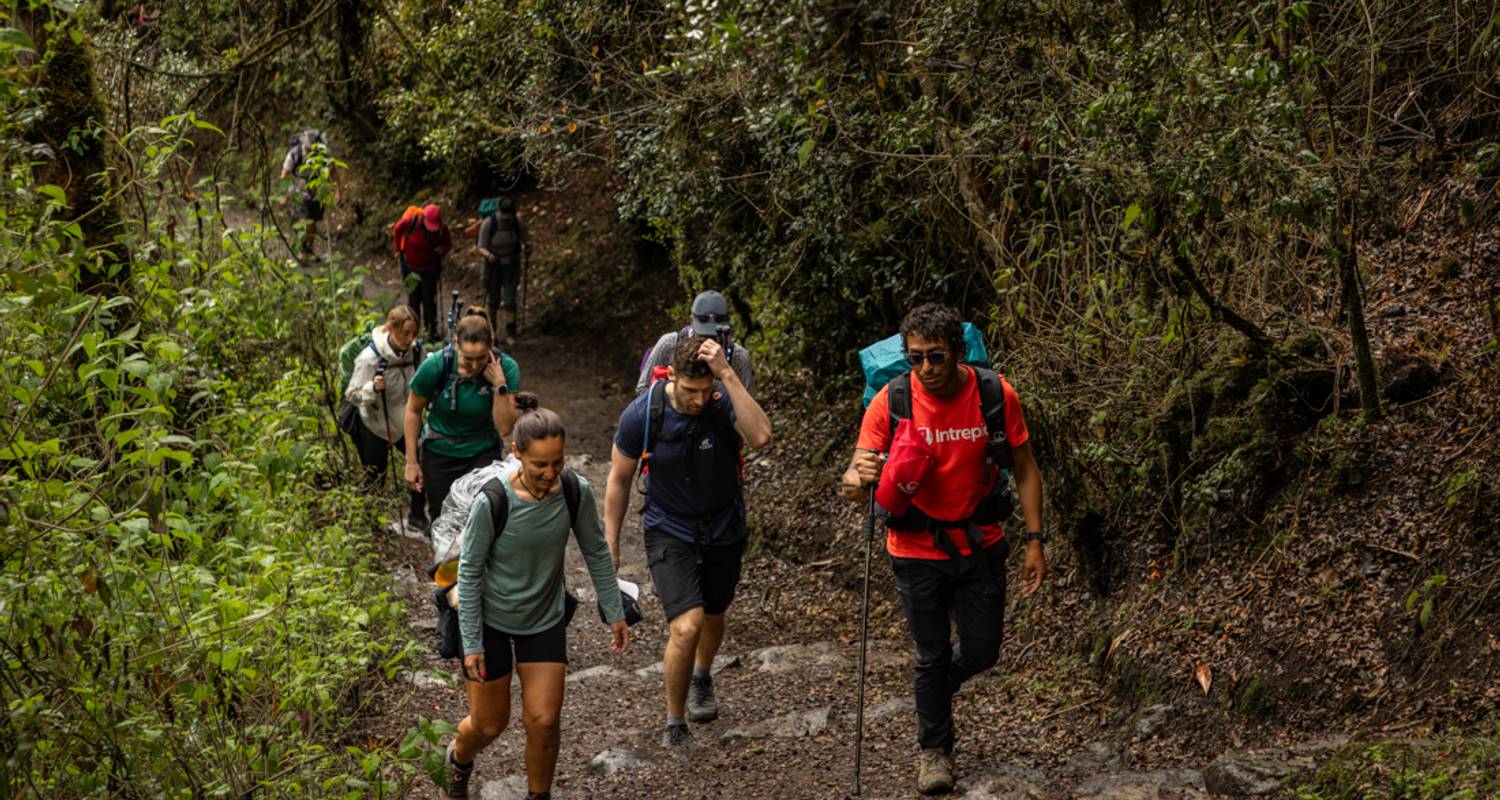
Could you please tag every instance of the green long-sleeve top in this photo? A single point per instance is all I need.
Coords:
(513, 582)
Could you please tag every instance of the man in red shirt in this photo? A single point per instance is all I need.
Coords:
(956, 505)
(420, 241)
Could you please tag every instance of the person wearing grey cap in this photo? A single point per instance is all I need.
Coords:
(711, 319)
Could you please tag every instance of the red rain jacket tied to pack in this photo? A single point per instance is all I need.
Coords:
(905, 468)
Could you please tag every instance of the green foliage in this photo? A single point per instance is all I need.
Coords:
(1435, 769)
(190, 603)
(1097, 184)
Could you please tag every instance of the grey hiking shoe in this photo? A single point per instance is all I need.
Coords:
(934, 771)
(458, 777)
(701, 706)
(676, 736)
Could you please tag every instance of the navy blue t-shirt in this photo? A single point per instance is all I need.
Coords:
(695, 471)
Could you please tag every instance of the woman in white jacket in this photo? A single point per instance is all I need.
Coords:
(378, 388)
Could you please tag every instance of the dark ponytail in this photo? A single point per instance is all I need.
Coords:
(535, 423)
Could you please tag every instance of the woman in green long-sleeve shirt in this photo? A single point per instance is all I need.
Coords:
(510, 599)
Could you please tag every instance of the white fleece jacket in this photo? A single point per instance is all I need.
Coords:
(375, 410)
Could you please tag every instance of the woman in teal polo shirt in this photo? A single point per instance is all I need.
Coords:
(468, 396)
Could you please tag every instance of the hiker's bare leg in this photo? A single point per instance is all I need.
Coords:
(709, 641)
(677, 663)
(489, 712)
(541, 709)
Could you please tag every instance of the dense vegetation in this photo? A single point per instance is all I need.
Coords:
(189, 602)
(1159, 211)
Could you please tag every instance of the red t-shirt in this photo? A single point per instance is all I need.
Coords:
(954, 428)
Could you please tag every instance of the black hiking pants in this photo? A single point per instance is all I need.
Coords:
(501, 279)
(931, 591)
(440, 471)
(374, 454)
(422, 296)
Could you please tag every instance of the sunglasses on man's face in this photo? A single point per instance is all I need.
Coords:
(933, 357)
(718, 318)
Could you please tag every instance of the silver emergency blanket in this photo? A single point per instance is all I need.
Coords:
(448, 528)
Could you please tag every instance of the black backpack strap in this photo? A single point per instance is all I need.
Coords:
(656, 412)
(499, 504)
(992, 406)
(898, 399)
(572, 494)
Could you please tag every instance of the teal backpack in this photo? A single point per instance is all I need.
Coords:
(886, 359)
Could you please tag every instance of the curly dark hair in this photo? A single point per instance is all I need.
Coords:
(935, 322)
(685, 360)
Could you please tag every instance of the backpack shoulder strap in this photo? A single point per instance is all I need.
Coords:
(992, 406)
(898, 399)
(572, 494)
(656, 412)
(499, 504)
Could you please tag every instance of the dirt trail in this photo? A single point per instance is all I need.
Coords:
(787, 715)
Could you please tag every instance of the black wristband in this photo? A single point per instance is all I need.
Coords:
(1035, 536)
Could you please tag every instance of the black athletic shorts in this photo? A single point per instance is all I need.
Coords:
(548, 647)
(684, 584)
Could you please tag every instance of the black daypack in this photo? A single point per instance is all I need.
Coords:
(303, 143)
(998, 462)
(450, 642)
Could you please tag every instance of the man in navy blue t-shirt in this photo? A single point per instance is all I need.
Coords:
(688, 431)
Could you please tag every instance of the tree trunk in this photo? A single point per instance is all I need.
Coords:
(1352, 296)
(71, 124)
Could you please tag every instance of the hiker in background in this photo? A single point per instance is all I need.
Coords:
(945, 497)
(306, 149)
(420, 241)
(501, 240)
(465, 395)
(710, 318)
(378, 388)
(687, 435)
(512, 610)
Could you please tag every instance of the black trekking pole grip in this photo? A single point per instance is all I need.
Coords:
(864, 643)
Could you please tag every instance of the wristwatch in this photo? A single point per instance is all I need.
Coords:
(1035, 536)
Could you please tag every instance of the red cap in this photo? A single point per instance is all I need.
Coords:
(904, 469)
(431, 217)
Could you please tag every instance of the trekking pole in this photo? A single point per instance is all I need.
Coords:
(390, 444)
(864, 642)
(525, 270)
(453, 315)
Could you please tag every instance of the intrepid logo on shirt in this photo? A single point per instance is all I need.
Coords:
(978, 433)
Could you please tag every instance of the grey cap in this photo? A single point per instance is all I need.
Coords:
(710, 310)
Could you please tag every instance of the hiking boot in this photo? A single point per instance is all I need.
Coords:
(418, 522)
(701, 706)
(458, 777)
(934, 771)
(676, 736)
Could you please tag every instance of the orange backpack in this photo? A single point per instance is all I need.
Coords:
(403, 226)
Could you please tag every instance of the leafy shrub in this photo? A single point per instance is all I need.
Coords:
(190, 601)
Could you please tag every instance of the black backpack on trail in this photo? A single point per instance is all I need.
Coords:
(450, 642)
(302, 144)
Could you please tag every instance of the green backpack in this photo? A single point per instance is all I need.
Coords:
(349, 353)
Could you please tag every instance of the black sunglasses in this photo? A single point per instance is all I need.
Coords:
(719, 318)
(935, 358)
